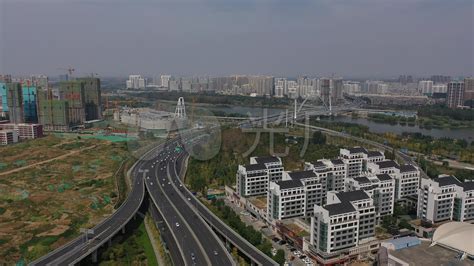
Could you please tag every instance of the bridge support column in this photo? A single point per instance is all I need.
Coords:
(94, 256)
(109, 242)
(123, 230)
(228, 245)
(253, 263)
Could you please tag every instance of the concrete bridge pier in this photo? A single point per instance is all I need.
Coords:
(94, 256)
(109, 242)
(123, 230)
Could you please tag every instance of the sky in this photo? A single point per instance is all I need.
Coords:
(366, 38)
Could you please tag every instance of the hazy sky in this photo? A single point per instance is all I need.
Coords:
(218, 37)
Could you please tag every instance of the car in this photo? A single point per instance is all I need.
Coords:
(292, 249)
(151, 183)
(215, 253)
(169, 183)
(302, 256)
(177, 224)
(275, 239)
(189, 199)
(282, 242)
(192, 256)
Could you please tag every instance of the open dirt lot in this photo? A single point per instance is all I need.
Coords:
(62, 186)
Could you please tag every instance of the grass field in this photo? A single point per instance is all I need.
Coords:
(43, 206)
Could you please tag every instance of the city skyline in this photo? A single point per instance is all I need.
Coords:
(214, 38)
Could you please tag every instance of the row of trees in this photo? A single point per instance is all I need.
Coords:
(439, 110)
(246, 231)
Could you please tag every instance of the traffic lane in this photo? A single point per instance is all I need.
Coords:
(111, 226)
(222, 228)
(187, 243)
(166, 236)
(204, 233)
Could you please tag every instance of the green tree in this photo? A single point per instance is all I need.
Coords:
(279, 257)
(319, 138)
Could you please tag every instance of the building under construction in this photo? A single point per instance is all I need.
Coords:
(77, 101)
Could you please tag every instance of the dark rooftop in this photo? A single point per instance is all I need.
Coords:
(286, 184)
(318, 164)
(302, 174)
(374, 154)
(447, 180)
(352, 195)
(357, 150)
(407, 168)
(387, 164)
(255, 167)
(468, 186)
(337, 161)
(267, 159)
(362, 179)
(339, 208)
(384, 177)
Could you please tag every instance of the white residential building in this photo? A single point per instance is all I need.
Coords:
(281, 87)
(381, 189)
(347, 220)
(314, 188)
(273, 164)
(165, 81)
(253, 179)
(445, 198)
(285, 199)
(407, 177)
(363, 203)
(353, 159)
(136, 82)
(333, 170)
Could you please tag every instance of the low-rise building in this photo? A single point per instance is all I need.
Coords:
(445, 198)
(381, 189)
(286, 199)
(8, 137)
(24, 131)
(253, 179)
(346, 221)
(407, 177)
(333, 170)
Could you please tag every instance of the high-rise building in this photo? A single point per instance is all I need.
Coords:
(15, 102)
(425, 87)
(30, 109)
(92, 98)
(53, 113)
(292, 89)
(440, 79)
(261, 85)
(352, 87)
(337, 91)
(165, 81)
(281, 87)
(3, 96)
(136, 82)
(455, 97)
(469, 91)
(325, 90)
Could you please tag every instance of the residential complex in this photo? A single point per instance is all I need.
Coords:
(345, 198)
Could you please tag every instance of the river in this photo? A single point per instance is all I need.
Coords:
(376, 127)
